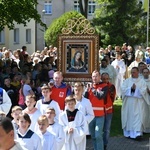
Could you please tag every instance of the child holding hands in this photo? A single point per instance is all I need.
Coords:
(75, 126)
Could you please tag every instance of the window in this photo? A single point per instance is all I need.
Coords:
(16, 35)
(76, 6)
(91, 7)
(48, 7)
(28, 36)
(2, 37)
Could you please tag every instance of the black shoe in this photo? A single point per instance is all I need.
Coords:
(138, 138)
(128, 137)
(88, 136)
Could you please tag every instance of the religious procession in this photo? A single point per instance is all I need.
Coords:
(74, 75)
(39, 111)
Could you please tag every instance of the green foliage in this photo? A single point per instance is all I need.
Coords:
(20, 11)
(116, 129)
(120, 21)
(51, 35)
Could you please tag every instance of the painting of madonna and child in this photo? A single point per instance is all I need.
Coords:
(77, 58)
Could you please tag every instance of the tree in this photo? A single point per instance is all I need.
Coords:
(120, 21)
(83, 5)
(19, 11)
(55, 28)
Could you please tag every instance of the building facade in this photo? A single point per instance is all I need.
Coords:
(32, 35)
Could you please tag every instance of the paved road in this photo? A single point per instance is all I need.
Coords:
(122, 143)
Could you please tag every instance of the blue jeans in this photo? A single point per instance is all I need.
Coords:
(107, 124)
(96, 131)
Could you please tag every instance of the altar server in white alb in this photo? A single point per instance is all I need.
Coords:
(135, 101)
(55, 128)
(120, 68)
(33, 112)
(75, 126)
(5, 102)
(83, 104)
(47, 139)
(46, 102)
(146, 77)
(27, 137)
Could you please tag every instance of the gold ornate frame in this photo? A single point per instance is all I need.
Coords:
(79, 36)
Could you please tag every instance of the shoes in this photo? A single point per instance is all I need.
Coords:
(138, 138)
(88, 136)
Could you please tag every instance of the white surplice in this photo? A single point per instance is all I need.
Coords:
(77, 139)
(34, 117)
(85, 107)
(48, 141)
(120, 74)
(53, 104)
(30, 141)
(147, 126)
(57, 130)
(133, 107)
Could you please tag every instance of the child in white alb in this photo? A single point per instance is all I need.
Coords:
(47, 139)
(15, 112)
(75, 126)
(27, 137)
(83, 104)
(33, 112)
(46, 102)
(55, 128)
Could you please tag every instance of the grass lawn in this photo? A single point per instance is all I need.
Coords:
(116, 129)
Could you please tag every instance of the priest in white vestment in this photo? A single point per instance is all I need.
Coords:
(120, 68)
(146, 77)
(135, 100)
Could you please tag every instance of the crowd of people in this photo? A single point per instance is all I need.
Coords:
(129, 72)
(44, 113)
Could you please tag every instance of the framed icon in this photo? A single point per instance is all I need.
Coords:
(78, 56)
